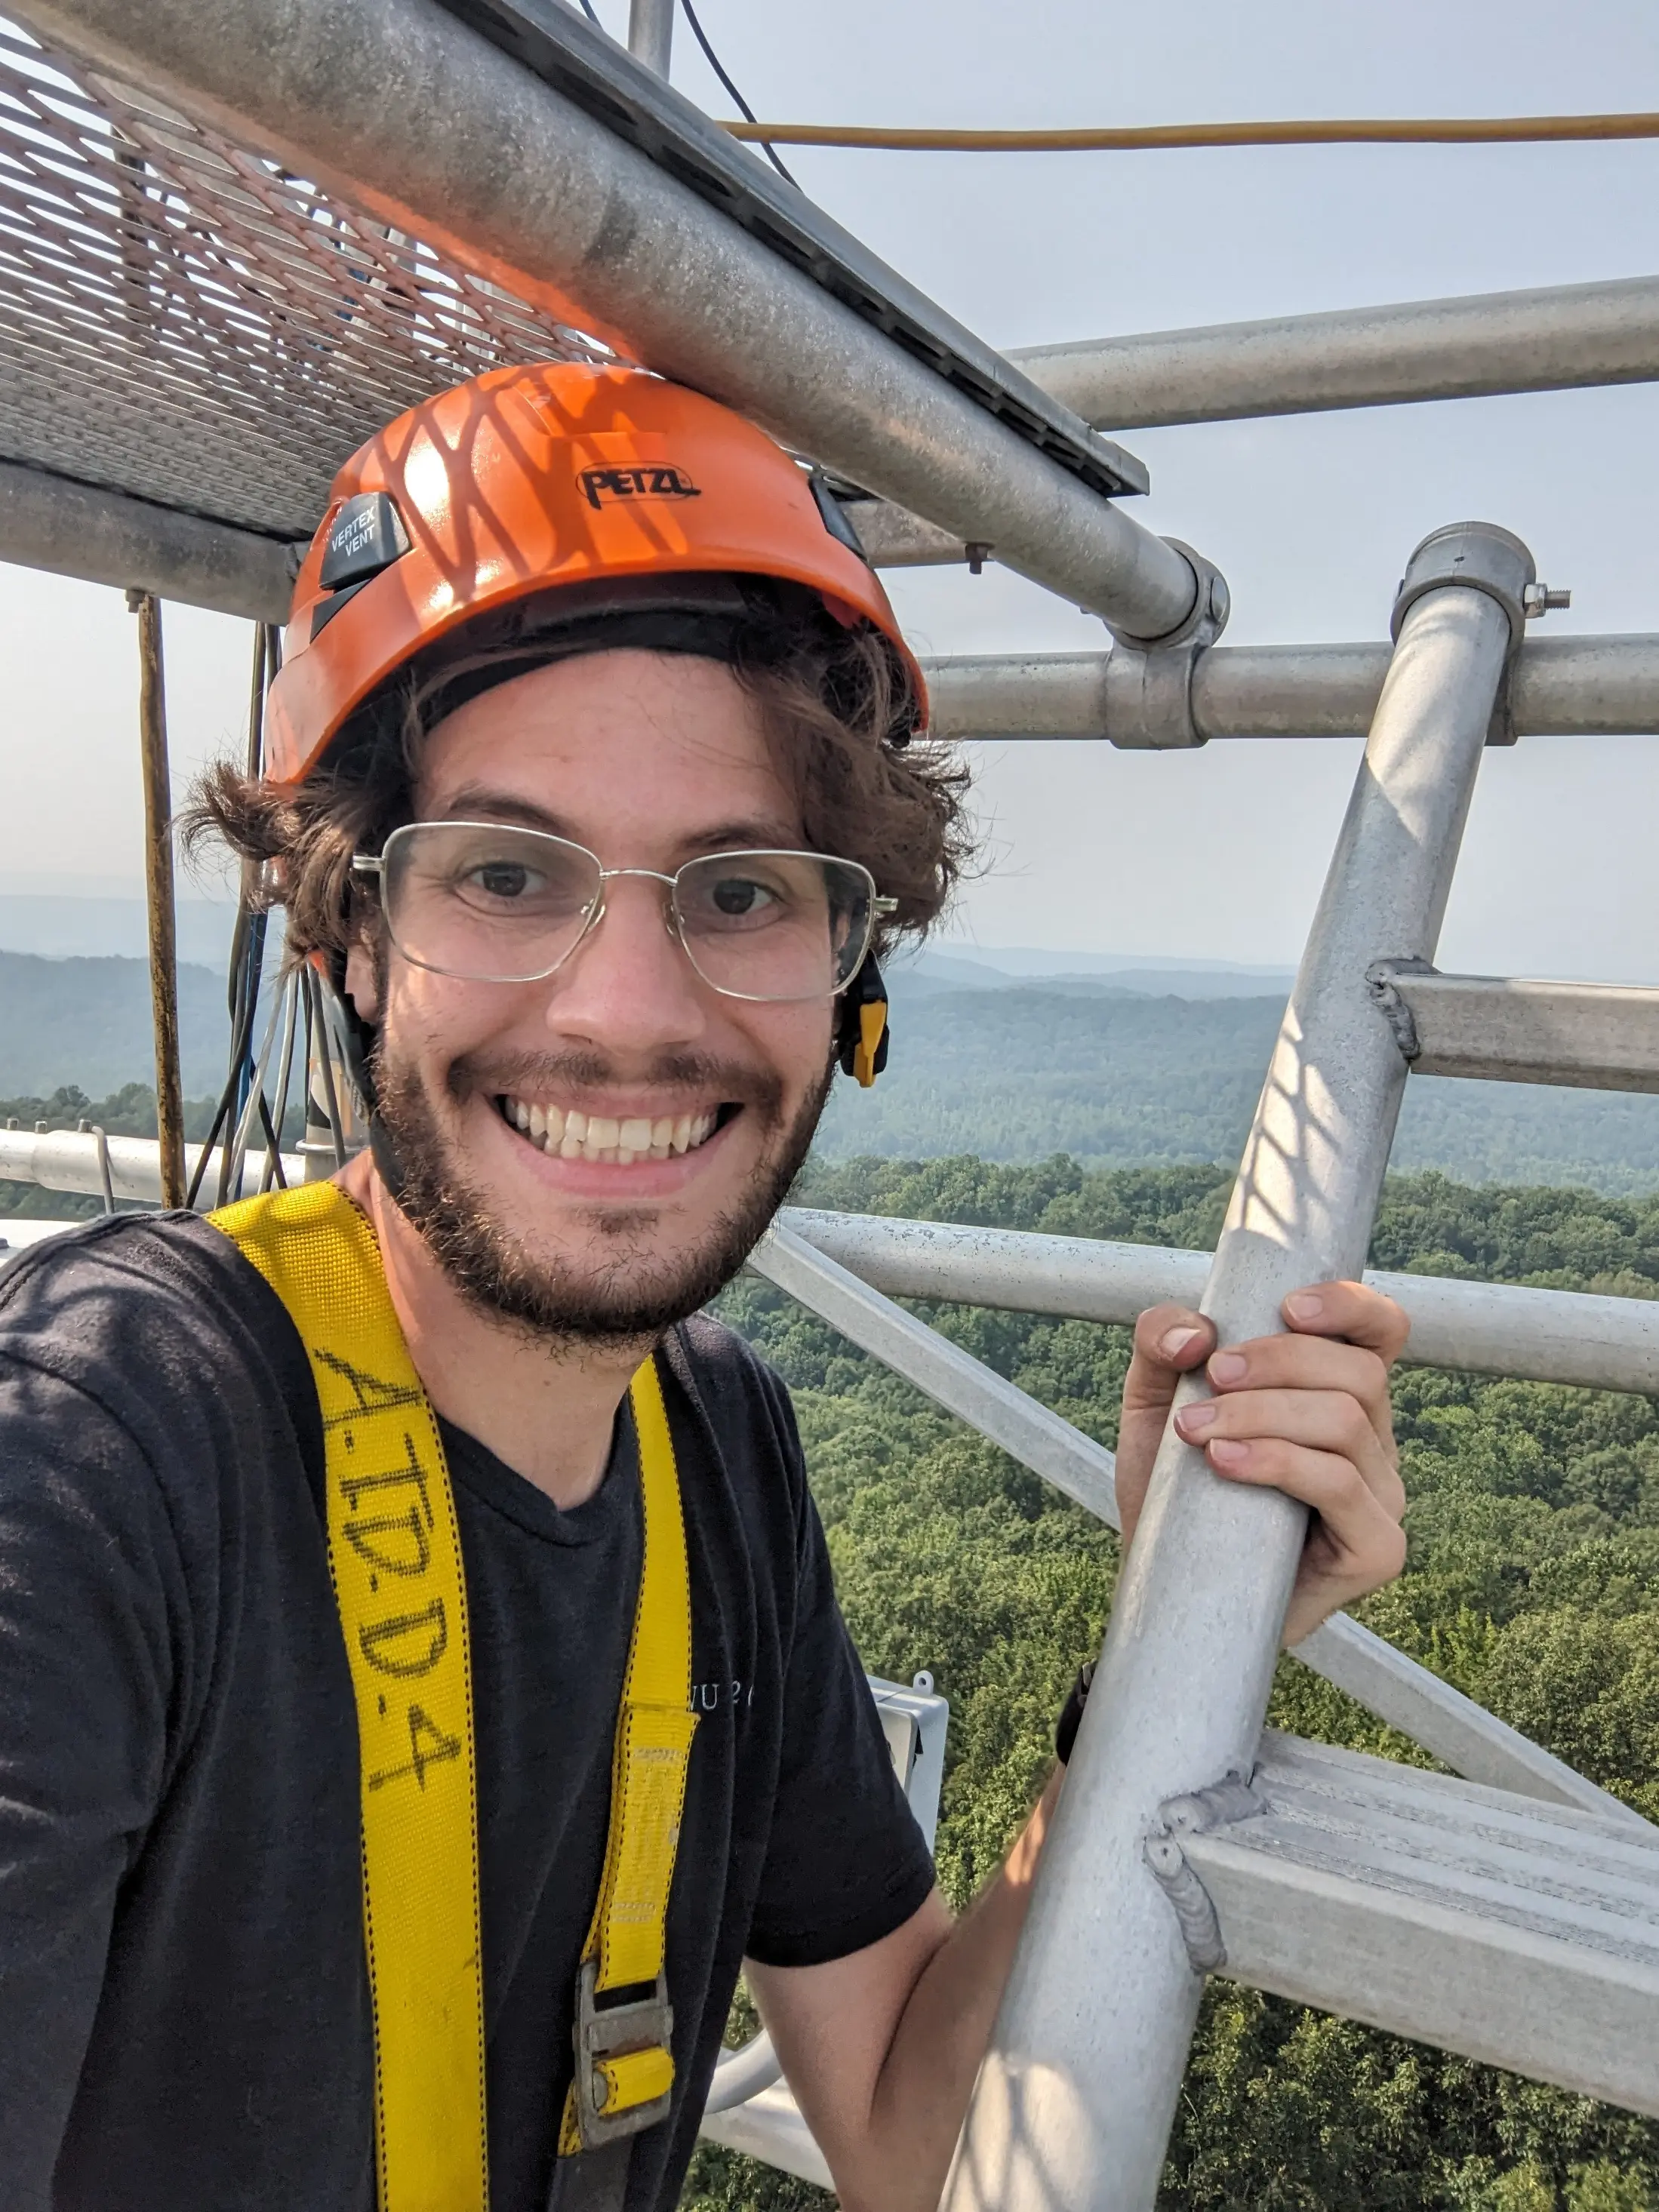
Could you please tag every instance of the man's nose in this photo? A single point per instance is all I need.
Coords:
(629, 986)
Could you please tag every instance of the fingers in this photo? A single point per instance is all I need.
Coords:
(1308, 1413)
(1241, 1437)
(1307, 1363)
(1355, 1544)
(1349, 1309)
(1169, 1342)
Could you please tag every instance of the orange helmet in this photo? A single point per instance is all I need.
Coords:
(523, 483)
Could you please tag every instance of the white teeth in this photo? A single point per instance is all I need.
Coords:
(598, 1137)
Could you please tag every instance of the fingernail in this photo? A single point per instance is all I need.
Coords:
(1192, 1420)
(1306, 1306)
(1177, 1341)
(1228, 1367)
(1226, 1451)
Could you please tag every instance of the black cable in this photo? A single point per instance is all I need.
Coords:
(274, 1143)
(225, 1099)
(588, 10)
(715, 63)
(326, 1066)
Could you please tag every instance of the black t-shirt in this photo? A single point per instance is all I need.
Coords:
(184, 2007)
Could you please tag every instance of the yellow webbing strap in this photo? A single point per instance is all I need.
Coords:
(625, 1941)
(394, 1553)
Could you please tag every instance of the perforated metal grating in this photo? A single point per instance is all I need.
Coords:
(186, 322)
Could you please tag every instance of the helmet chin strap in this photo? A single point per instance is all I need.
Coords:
(355, 1039)
(387, 1165)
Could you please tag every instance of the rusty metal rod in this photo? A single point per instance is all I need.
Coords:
(158, 893)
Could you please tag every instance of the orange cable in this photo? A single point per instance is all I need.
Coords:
(1451, 130)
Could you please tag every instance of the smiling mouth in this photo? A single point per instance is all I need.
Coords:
(567, 1135)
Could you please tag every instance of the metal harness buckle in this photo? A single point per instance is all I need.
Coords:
(645, 2024)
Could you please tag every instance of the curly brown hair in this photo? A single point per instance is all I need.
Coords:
(837, 708)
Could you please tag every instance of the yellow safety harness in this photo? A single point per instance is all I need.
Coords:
(394, 1553)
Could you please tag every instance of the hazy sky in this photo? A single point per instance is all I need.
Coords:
(1218, 852)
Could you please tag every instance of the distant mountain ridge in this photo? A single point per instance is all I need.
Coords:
(930, 971)
(111, 927)
(87, 1022)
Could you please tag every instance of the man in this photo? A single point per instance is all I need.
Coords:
(337, 1805)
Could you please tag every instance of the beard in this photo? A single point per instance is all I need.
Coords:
(624, 1292)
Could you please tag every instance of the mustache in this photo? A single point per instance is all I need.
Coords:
(696, 1074)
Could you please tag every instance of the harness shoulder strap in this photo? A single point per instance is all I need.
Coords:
(395, 1557)
(394, 1553)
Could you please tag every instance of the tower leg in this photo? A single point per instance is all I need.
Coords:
(1074, 2103)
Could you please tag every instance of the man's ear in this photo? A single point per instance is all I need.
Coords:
(362, 984)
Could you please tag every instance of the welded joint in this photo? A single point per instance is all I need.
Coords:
(1380, 980)
(1480, 556)
(1222, 1804)
(1149, 681)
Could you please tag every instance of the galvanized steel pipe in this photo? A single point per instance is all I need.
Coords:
(68, 1159)
(1073, 2104)
(651, 33)
(1484, 1328)
(72, 529)
(1549, 339)
(1570, 687)
(400, 108)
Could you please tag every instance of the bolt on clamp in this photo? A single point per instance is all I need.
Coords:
(1480, 557)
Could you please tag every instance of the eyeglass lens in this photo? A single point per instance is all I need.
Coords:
(492, 903)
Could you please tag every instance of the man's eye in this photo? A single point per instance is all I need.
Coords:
(739, 895)
(502, 880)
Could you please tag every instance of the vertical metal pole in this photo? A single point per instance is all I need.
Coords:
(651, 32)
(1073, 2106)
(158, 893)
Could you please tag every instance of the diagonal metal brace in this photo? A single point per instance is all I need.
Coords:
(1220, 1806)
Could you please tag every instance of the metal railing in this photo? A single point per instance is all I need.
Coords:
(1551, 338)
(1585, 687)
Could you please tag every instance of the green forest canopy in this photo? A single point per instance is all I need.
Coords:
(1532, 1585)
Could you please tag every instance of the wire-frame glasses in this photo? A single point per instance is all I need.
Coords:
(492, 902)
